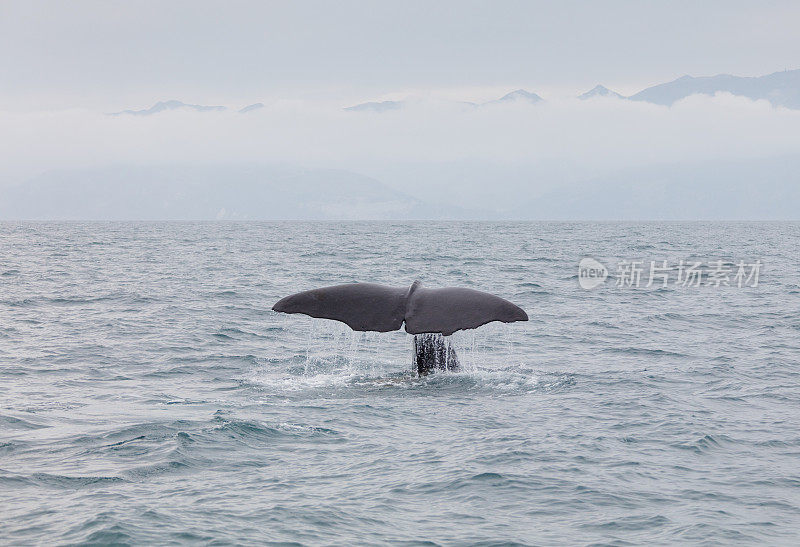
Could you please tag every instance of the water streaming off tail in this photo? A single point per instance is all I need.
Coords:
(334, 347)
(330, 354)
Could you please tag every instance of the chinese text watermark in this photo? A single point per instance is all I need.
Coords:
(661, 273)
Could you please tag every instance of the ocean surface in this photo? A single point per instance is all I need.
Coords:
(149, 394)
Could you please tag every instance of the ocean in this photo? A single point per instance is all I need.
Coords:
(149, 394)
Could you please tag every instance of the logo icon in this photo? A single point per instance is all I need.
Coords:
(591, 273)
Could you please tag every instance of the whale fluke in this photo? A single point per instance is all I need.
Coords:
(450, 309)
(373, 307)
(362, 306)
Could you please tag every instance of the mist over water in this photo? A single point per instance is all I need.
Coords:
(148, 394)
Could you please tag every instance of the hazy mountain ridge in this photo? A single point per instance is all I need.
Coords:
(519, 95)
(755, 189)
(759, 189)
(189, 192)
(251, 107)
(779, 88)
(471, 185)
(376, 106)
(600, 91)
(173, 104)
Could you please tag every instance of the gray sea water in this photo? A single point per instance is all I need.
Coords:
(149, 395)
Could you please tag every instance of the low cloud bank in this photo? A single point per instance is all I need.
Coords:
(588, 137)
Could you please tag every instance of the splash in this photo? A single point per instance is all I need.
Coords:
(338, 359)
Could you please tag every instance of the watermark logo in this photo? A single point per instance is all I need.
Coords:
(591, 273)
(684, 273)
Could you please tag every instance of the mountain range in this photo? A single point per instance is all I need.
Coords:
(376, 106)
(745, 189)
(209, 192)
(520, 95)
(779, 88)
(163, 106)
(751, 189)
(767, 188)
(173, 104)
(600, 91)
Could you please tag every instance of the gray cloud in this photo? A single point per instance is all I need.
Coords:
(590, 136)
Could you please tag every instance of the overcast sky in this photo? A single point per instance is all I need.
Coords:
(130, 53)
(65, 65)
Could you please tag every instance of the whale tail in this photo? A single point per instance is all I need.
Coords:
(373, 307)
(429, 314)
